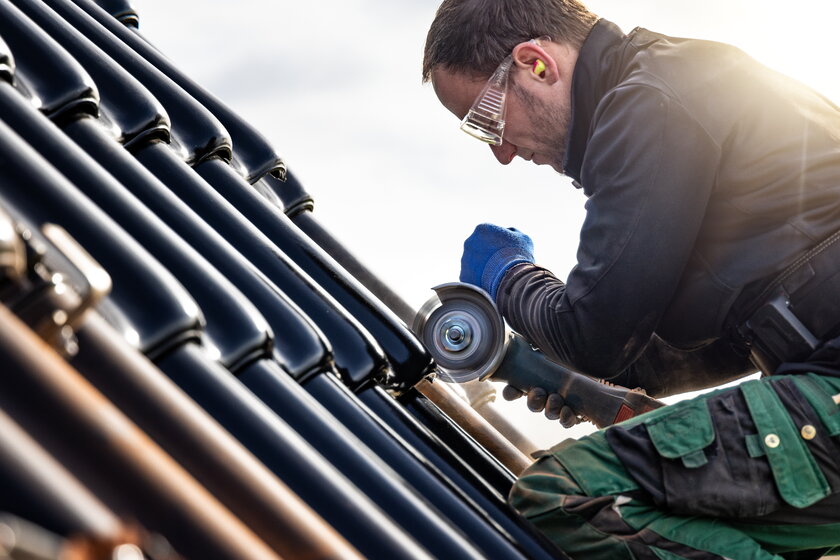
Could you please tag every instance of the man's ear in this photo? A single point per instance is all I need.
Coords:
(537, 61)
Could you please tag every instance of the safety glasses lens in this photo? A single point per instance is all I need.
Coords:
(486, 118)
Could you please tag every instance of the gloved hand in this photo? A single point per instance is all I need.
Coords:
(489, 252)
(554, 404)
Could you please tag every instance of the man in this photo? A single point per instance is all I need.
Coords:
(709, 244)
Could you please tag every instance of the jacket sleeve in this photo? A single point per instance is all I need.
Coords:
(649, 170)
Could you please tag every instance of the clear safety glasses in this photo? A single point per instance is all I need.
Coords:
(486, 118)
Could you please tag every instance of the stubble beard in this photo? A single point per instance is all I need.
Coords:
(549, 123)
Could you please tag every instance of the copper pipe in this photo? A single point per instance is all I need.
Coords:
(219, 462)
(481, 397)
(474, 424)
(109, 454)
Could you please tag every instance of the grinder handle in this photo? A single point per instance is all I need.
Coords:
(604, 405)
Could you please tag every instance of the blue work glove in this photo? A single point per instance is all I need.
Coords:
(489, 252)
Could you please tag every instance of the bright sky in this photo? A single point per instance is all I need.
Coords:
(335, 86)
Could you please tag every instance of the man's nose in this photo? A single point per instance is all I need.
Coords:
(504, 153)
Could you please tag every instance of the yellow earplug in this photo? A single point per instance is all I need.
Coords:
(539, 66)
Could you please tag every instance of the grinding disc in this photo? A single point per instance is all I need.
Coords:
(463, 330)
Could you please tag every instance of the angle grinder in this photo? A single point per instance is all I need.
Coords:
(466, 335)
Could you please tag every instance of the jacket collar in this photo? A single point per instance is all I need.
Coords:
(598, 69)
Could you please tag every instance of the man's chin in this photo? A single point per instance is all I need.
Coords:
(556, 165)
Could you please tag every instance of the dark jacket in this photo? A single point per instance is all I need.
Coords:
(707, 174)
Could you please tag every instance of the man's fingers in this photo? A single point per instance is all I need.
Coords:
(511, 393)
(568, 418)
(553, 406)
(536, 399)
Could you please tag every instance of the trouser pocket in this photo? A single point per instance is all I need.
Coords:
(799, 480)
(700, 457)
(819, 392)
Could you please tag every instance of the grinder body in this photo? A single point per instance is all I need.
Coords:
(465, 333)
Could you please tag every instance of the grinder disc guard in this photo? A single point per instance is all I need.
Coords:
(463, 330)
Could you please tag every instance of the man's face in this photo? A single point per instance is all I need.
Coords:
(536, 121)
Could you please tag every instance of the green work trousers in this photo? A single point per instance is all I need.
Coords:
(751, 472)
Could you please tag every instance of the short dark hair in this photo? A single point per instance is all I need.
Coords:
(474, 36)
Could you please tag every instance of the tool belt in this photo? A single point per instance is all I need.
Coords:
(798, 311)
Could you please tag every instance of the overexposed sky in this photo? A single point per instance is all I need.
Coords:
(335, 87)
